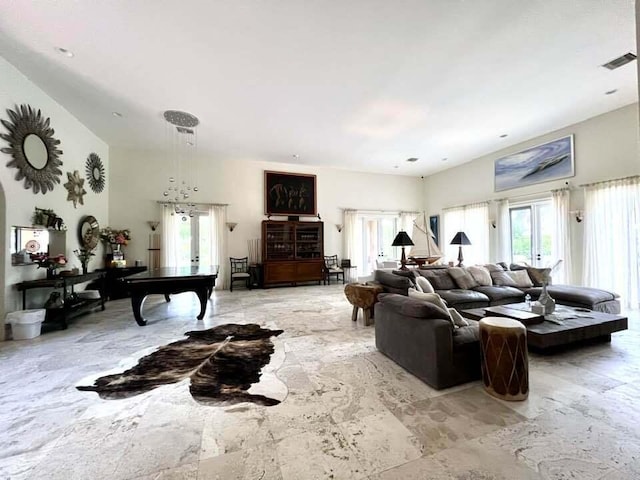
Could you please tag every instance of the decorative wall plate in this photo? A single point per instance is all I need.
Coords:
(33, 148)
(95, 172)
(75, 187)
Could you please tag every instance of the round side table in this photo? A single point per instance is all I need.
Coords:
(505, 362)
(364, 297)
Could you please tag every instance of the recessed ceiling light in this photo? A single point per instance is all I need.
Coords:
(611, 92)
(445, 159)
(396, 166)
(412, 160)
(295, 155)
(504, 135)
(64, 51)
(116, 114)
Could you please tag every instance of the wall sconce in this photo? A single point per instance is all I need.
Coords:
(153, 224)
(231, 226)
(579, 215)
(493, 223)
(339, 227)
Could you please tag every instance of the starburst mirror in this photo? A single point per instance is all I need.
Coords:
(33, 148)
(95, 173)
(75, 188)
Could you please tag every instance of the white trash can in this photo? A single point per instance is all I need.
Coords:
(26, 324)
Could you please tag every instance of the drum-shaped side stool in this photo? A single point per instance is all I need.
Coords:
(364, 297)
(505, 362)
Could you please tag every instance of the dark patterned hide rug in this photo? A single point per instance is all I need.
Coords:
(222, 363)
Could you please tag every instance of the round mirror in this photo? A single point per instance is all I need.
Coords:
(35, 151)
(89, 232)
(96, 173)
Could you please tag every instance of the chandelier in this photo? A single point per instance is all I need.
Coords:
(181, 134)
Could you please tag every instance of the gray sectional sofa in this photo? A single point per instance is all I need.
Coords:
(420, 337)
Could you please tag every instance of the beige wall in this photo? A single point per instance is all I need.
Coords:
(606, 147)
(138, 179)
(77, 142)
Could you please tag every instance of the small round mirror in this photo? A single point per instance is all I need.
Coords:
(89, 232)
(96, 173)
(35, 151)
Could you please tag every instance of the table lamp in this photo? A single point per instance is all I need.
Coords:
(460, 239)
(402, 240)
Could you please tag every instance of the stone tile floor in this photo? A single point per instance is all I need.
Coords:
(350, 412)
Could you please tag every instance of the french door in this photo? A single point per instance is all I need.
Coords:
(378, 233)
(193, 241)
(531, 233)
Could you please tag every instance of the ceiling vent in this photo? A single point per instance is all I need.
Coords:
(620, 61)
(412, 160)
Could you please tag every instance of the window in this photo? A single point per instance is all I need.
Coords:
(378, 232)
(473, 220)
(531, 229)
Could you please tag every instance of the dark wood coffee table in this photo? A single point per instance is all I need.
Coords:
(587, 325)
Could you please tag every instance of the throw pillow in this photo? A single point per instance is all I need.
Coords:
(481, 275)
(440, 279)
(503, 265)
(517, 266)
(521, 278)
(434, 299)
(463, 278)
(502, 278)
(458, 320)
(539, 275)
(424, 284)
(410, 274)
(494, 267)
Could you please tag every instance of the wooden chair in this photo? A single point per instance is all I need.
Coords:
(240, 271)
(331, 267)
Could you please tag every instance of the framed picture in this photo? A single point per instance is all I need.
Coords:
(434, 225)
(289, 194)
(543, 163)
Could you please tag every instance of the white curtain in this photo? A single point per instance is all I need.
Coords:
(406, 222)
(169, 236)
(612, 238)
(504, 232)
(473, 220)
(350, 236)
(561, 237)
(218, 215)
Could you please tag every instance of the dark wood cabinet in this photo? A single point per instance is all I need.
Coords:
(292, 252)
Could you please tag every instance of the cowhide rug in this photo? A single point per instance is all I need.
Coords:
(222, 362)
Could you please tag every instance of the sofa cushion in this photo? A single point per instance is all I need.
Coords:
(500, 277)
(456, 297)
(499, 294)
(410, 274)
(539, 275)
(463, 278)
(465, 337)
(521, 277)
(481, 275)
(411, 307)
(392, 283)
(440, 279)
(424, 284)
(458, 320)
(494, 267)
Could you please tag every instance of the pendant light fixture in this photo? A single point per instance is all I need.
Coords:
(182, 137)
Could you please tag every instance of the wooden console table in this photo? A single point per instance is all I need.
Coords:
(71, 308)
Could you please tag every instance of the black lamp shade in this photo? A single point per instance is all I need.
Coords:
(460, 239)
(402, 240)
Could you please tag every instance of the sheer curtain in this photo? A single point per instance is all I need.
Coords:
(169, 236)
(504, 232)
(218, 215)
(406, 222)
(352, 238)
(473, 220)
(561, 238)
(612, 238)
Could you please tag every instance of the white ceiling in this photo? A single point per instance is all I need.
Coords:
(358, 84)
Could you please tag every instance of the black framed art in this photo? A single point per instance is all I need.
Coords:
(289, 194)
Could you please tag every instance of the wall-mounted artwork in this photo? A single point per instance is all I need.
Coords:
(289, 194)
(434, 224)
(543, 163)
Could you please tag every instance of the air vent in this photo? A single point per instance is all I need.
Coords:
(620, 61)
(412, 160)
